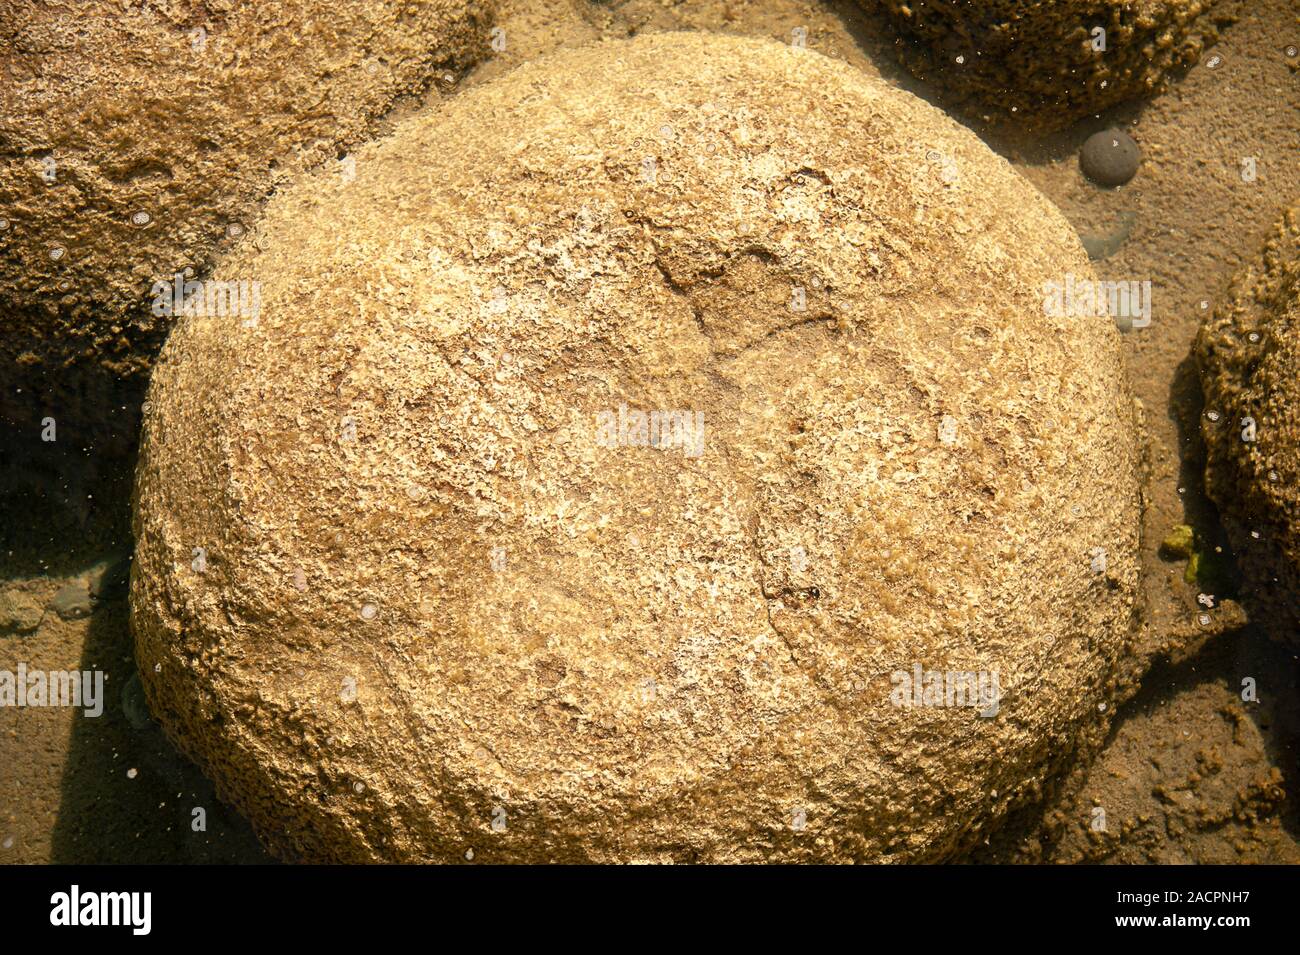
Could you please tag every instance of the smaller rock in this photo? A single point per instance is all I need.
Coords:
(19, 611)
(1110, 158)
(73, 601)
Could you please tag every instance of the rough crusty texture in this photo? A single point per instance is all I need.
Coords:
(629, 653)
(1250, 368)
(187, 113)
(1032, 61)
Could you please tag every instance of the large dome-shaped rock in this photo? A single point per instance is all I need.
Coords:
(608, 458)
(1047, 63)
(1249, 353)
(139, 141)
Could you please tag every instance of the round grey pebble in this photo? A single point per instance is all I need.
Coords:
(1110, 157)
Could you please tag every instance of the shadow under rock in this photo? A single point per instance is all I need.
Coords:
(1185, 409)
(126, 795)
(1226, 659)
(67, 455)
(1229, 659)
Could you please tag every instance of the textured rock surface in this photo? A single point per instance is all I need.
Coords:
(429, 600)
(1249, 354)
(1035, 62)
(140, 140)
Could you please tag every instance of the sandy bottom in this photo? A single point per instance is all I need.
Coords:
(1189, 772)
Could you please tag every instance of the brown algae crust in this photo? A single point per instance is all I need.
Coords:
(141, 142)
(1249, 352)
(1042, 63)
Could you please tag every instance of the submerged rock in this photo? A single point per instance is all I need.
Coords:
(140, 142)
(1048, 63)
(659, 453)
(73, 600)
(1110, 157)
(1249, 352)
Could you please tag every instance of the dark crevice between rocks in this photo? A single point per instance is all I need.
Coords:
(65, 503)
